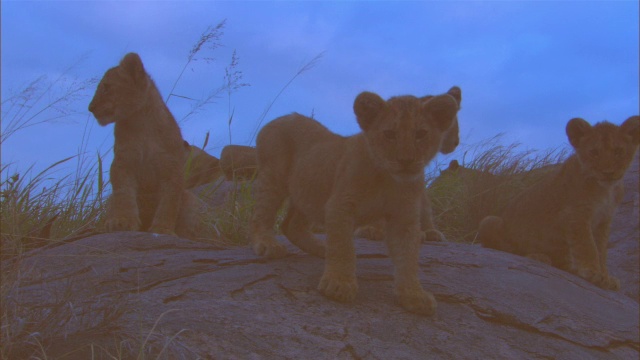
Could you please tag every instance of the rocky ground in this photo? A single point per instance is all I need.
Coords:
(180, 299)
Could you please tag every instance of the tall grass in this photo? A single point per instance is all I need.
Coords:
(44, 208)
(490, 175)
(28, 201)
(40, 208)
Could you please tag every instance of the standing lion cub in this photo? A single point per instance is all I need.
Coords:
(346, 182)
(564, 220)
(149, 154)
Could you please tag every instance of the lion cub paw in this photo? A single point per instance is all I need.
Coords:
(611, 283)
(122, 224)
(339, 288)
(419, 302)
(433, 236)
(270, 249)
(592, 276)
(161, 230)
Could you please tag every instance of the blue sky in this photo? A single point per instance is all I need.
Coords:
(525, 68)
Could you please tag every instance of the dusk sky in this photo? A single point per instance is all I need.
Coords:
(525, 68)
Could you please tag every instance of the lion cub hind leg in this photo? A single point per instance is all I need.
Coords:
(403, 242)
(268, 200)
(433, 235)
(429, 232)
(490, 233)
(296, 228)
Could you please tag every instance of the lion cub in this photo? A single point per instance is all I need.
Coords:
(345, 182)
(238, 162)
(149, 154)
(564, 220)
(450, 140)
(200, 167)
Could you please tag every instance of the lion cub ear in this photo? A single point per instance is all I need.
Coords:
(456, 92)
(367, 106)
(577, 128)
(132, 66)
(442, 109)
(631, 126)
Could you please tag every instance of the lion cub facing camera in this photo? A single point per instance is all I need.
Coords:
(149, 154)
(564, 220)
(345, 182)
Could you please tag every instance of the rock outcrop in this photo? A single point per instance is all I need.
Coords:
(166, 297)
(197, 300)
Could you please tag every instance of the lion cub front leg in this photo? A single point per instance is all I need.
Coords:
(122, 208)
(269, 196)
(403, 241)
(582, 248)
(169, 204)
(338, 281)
(601, 237)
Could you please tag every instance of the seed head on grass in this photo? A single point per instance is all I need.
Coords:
(208, 39)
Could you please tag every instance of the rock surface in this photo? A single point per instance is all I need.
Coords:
(178, 299)
(227, 303)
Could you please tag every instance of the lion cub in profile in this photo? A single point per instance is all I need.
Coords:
(564, 220)
(345, 182)
(149, 154)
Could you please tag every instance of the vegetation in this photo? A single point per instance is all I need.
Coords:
(463, 194)
(48, 208)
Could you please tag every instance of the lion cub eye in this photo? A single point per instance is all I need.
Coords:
(421, 134)
(389, 134)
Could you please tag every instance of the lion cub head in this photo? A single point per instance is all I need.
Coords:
(122, 91)
(451, 137)
(605, 150)
(404, 133)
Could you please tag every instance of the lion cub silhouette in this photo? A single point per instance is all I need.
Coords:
(345, 182)
(149, 154)
(564, 220)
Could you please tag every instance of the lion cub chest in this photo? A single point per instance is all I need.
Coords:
(150, 158)
(342, 172)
